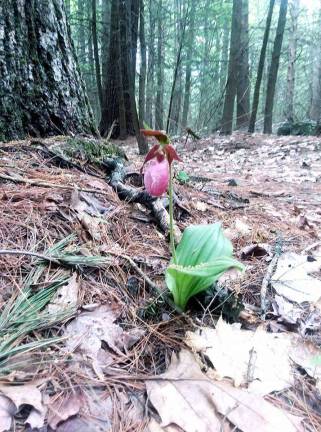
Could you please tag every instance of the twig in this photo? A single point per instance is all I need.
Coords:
(152, 284)
(41, 183)
(28, 253)
(266, 281)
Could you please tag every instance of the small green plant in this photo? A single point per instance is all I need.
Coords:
(202, 256)
(182, 177)
(204, 253)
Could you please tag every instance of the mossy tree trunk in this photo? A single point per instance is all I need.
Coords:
(41, 90)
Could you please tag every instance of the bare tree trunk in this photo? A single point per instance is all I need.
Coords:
(315, 110)
(189, 60)
(150, 68)
(243, 82)
(106, 10)
(231, 86)
(159, 105)
(274, 68)
(81, 30)
(294, 9)
(128, 28)
(41, 90)
(142, 75)
(256, 96)
(67, 4)
(204, 70)
(96, 51)
(224, 55)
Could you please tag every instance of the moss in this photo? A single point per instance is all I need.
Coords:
(89, 150)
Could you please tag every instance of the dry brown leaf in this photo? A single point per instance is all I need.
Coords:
(294, 278)
(7, 411)
(184, 396)
(86, 333)
(66, 296)
(14, 396)
(257, 359)
(63, 408)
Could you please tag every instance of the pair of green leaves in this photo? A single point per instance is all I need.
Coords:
(202, 256)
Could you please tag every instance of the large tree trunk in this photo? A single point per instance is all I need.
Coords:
(294, 15)
(243, 82)
(119, 104)
(231, 85)
(274, 68)
(256, 96)
(41, 91)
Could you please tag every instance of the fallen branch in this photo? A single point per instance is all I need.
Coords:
(41, 183)
(266, 280)
(28, 253)
(116, 171)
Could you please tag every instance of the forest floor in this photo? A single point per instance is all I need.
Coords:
(87, 344)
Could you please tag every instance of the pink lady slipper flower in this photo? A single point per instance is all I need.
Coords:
(158, 162)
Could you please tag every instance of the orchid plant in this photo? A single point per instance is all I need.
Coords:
(204, 253)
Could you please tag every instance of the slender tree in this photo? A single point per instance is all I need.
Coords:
(315, 109)
(150, 77)
(189, 62)
(294, 10)
(274, 68)
(96, 50)
(159, 105)
(231, 86)
(256, 96)
(243, 79)
(142, 75)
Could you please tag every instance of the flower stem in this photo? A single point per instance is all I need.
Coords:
(171, 215)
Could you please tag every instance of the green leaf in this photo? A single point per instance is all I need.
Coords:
(203, 255)
(182, 177)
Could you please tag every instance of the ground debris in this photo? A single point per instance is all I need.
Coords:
(113, 264)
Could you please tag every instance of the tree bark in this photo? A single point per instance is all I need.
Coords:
(119, 102)
(106, 13)
(231, 85)
(96, 51)
(150, 68)
(41, 90)
(189, 60)
(142, 75)
(315, 110)
(159, 104)
(268, 113)
(243, 81)
(256, 96)
(294, 9)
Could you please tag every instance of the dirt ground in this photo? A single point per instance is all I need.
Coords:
(263, 189)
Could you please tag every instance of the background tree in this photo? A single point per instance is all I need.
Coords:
(202, 83)
(294, 9)
(41, 91)
(256, 96)
(231, 86)
(274, 67)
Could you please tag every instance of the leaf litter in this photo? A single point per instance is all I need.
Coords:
(107, 355)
